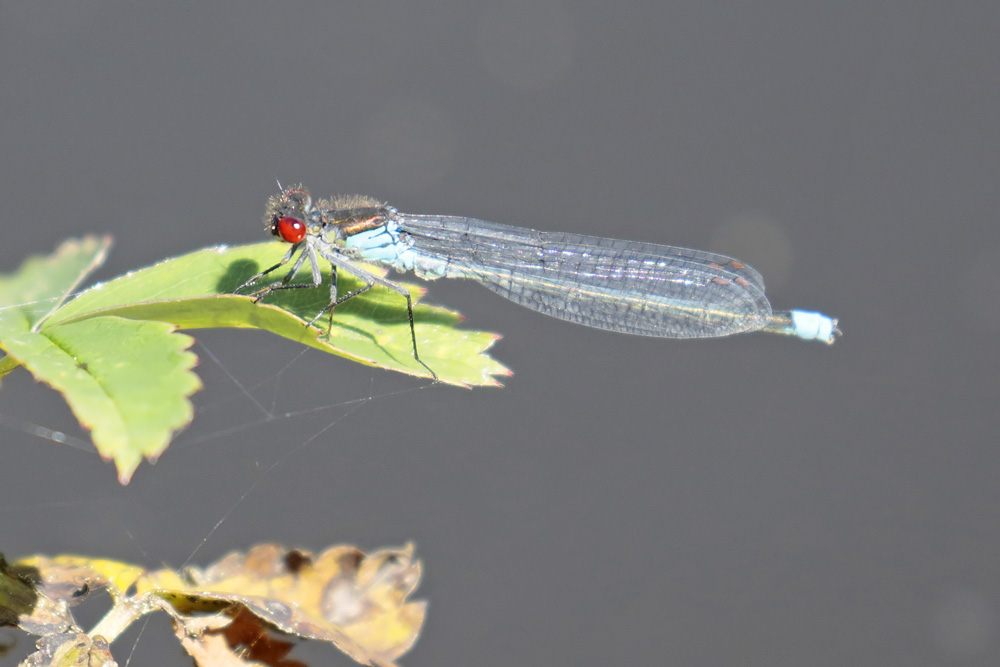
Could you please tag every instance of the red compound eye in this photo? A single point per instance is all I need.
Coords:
(291, 229)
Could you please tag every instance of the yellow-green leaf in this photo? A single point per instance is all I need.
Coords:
(127, 381)
(113, 353)
(41, 284)
(195, 291)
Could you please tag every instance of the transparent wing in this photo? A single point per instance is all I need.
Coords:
(639, 288)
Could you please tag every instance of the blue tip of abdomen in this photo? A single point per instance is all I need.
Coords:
(809, 325)
(804, 324)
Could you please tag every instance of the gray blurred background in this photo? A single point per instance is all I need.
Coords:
(745, 501)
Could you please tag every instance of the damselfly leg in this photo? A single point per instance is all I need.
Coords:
(336, 261)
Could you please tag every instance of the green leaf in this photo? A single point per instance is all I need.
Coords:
(195, 291)
(128, 381)
(7, 364)
(113, 352)
(41, 284)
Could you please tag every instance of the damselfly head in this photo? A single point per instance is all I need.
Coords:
(286, 213)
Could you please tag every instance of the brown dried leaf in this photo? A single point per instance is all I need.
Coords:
(359, 603)
(226, 613)
(70, 650)
(245, 642)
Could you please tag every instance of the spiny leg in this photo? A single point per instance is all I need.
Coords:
(283, 283)
(334, 286)
(413, 333)
(336, 302)
(361, 290)
(370, 280)
(284, 260)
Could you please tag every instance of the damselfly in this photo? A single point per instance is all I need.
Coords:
(626, 286)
